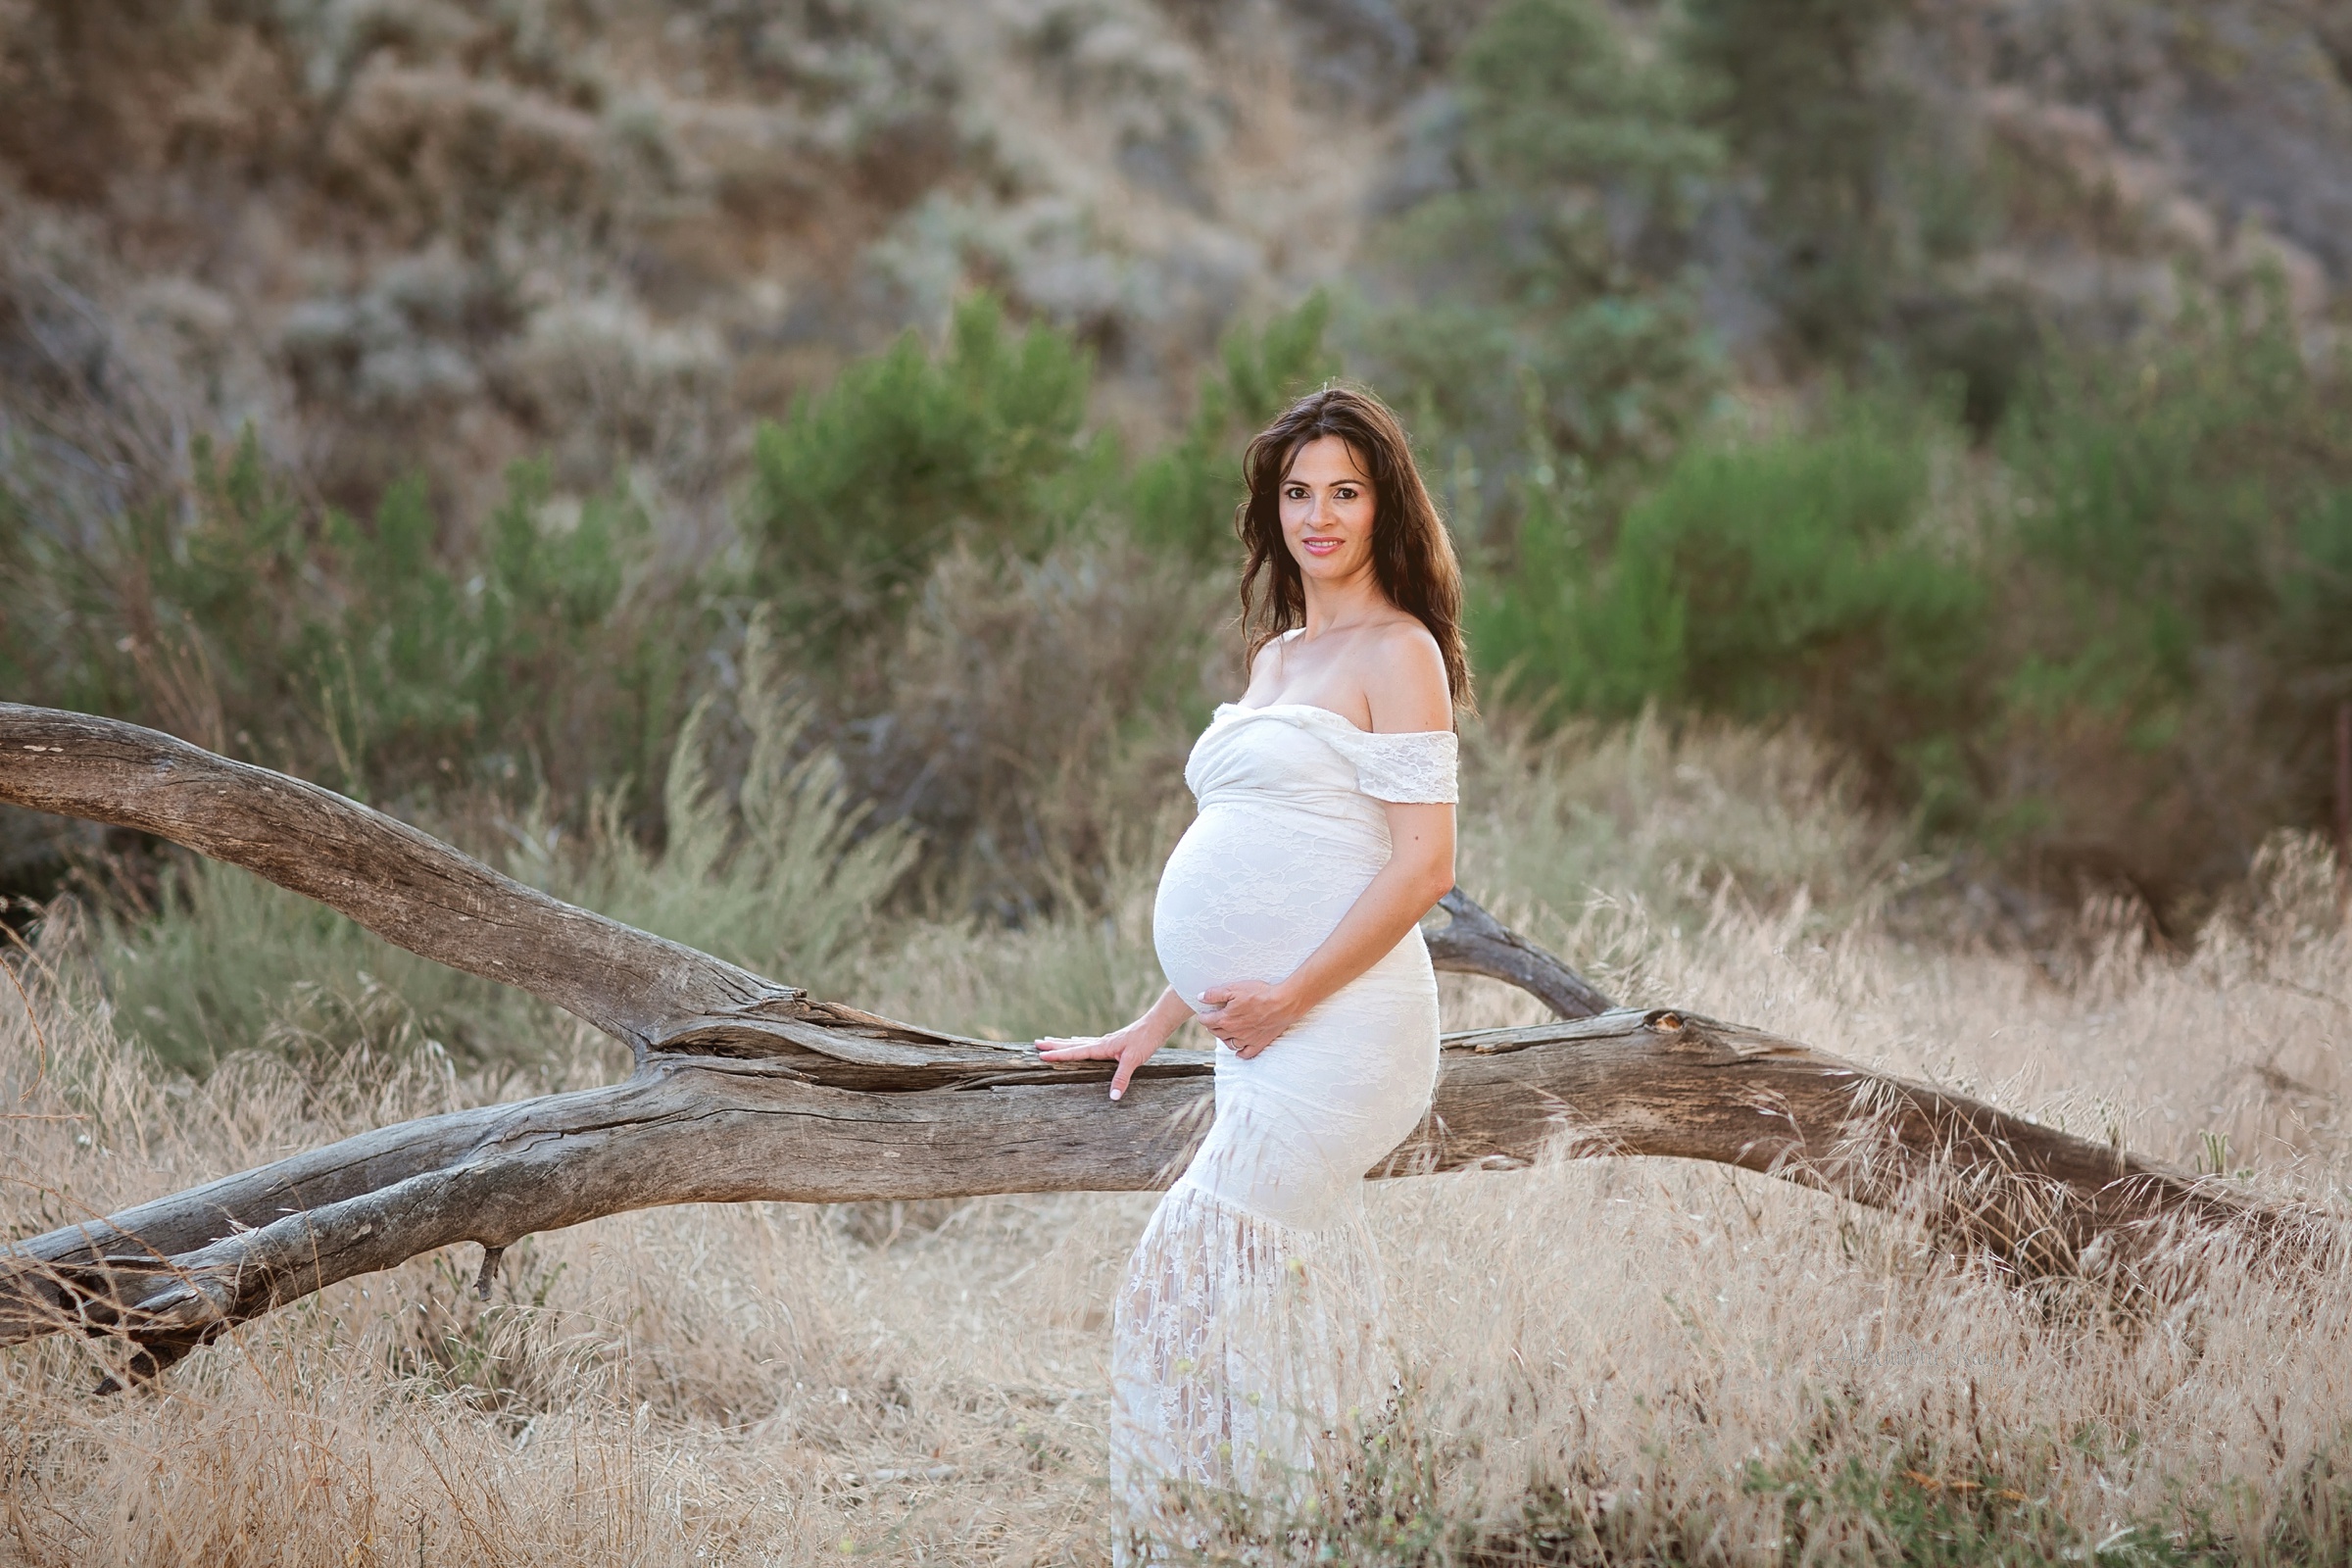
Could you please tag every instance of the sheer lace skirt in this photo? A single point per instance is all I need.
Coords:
(1247, 1341)
(1244, 1355)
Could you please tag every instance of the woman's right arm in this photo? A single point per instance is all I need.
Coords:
(1130, 1047)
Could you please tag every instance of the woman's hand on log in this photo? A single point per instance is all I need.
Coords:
(1130, 1047)
(1250, 1015)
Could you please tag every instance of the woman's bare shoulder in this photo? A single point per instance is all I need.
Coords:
(1267, 664)
(1404, 678)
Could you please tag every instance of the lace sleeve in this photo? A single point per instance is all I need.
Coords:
(1415, 767)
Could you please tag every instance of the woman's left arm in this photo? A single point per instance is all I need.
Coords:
(1408, 692)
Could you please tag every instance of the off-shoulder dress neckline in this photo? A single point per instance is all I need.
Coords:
(1335, 717)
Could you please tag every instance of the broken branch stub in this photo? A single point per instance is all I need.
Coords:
(745, 1089)
(1474, 942)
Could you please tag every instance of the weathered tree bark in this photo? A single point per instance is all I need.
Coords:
(1474, 942)
(746, 1089)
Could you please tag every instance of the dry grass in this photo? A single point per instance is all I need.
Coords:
(1622, 1360)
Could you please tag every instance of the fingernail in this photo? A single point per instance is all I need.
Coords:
(1116, 1092)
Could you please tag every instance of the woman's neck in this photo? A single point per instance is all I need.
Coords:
(1338, 605)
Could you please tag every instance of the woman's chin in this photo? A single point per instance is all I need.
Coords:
(1330, 570)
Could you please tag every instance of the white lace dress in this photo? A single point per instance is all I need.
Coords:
(1248, 1333)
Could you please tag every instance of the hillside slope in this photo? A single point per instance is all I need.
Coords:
(394, 234)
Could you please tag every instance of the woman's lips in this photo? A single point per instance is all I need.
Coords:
(1320, 546)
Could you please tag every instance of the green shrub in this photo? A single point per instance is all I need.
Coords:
(1614, 381)
(527, 656)
(1759, 581)
(2177, 628)
(2123, 655)
(1871, 200)
(855, 491)
(2313, 629)
(1559, 97)
(387, 655)
(187, 617)
(2180, 498)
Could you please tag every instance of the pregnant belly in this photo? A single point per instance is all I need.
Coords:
(1249, 894)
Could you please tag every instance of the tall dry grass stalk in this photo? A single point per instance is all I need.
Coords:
(1609, 1360)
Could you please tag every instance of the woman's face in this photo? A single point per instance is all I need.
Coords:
(1327, 506)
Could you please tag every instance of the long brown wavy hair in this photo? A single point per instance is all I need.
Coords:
(1412, 554)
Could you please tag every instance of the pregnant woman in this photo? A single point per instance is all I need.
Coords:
(1247, 1337)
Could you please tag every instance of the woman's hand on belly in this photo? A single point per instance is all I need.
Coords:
(1250, 1015)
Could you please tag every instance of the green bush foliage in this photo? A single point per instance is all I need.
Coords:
(529, 662)
(1759, 579)
(2120, 639)
(2181, 625)
(2190, 497)
(1870, 207)
(224, 962)
(863, 486)
(767, 867)
(1557, 97)
(377, 655)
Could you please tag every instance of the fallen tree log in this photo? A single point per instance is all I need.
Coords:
(746, 1089)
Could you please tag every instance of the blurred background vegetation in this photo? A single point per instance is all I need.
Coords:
(788, 449)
